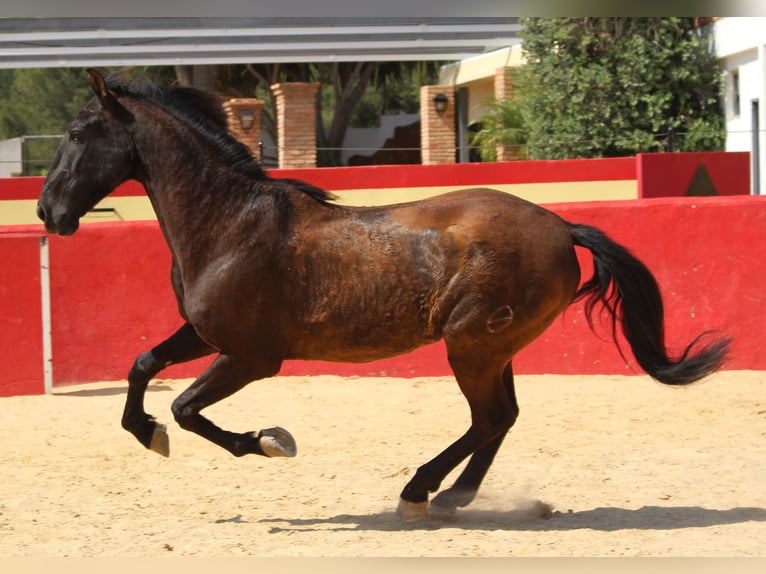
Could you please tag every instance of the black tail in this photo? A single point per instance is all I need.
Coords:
(629, 292)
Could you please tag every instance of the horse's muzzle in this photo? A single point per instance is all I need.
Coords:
(63, 224)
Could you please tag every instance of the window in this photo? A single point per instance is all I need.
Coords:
(735, 92)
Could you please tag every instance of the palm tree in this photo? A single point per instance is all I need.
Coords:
(502, 127)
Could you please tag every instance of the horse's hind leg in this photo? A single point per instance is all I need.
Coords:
(225, 376)
(492, 414)
(467, 484)
(184, 345)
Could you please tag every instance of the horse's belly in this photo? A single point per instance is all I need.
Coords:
(354, 331)
(361, 350)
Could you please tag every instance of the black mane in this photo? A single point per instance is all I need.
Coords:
(203, 111)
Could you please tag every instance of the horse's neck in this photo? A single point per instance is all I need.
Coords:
(193, 196)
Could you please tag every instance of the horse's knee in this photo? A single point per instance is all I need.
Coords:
(144, 368)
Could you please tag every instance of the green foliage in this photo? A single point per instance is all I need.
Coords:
(44, 101)
(40, 102)
(605, 87)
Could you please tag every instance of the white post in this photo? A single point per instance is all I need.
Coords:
(45, 294)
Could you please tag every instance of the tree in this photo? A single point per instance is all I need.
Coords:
(198, 76)
(43, 101)
(601, 87)
(40, 102)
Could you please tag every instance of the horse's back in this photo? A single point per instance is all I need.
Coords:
(482, 209)
(494, 224)
(384, 280)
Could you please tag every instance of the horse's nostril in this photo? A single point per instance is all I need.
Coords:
(40, 212)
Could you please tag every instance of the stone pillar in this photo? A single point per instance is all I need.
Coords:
(244, 116)
(437, 129)
(296, 105)
(504, 90)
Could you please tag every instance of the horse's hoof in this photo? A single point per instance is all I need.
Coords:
(445, 504)
(441, 512)
(160, 442)
(277, 442)
(411, 511)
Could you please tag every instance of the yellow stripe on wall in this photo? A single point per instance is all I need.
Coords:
(133, 208)
(534, 192)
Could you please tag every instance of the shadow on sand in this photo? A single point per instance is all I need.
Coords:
(107, 391)
(605, 519)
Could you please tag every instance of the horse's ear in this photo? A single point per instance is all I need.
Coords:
(104, 94)
(98, 84)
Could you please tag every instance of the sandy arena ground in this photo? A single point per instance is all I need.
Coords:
(595, 466)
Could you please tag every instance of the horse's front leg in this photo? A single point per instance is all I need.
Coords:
(184, 345)
(225, 376)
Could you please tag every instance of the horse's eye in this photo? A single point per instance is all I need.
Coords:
(75, 136)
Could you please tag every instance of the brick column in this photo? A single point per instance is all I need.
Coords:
(296, 104)
(250, 109)
(504, 90)
(437, 130)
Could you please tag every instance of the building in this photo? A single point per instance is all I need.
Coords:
(740, 44)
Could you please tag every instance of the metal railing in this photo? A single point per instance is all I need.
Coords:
(38, 151)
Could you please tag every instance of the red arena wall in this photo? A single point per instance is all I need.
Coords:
(699, 173)
(110, 296)
(21, 336)
(540, 181)
(105, 308)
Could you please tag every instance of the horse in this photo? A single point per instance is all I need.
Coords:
(266, 270)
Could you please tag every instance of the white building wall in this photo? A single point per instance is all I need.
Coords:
(366, 141)
(740, 44)
(11, 156)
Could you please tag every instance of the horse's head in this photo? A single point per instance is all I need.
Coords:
(95, 156)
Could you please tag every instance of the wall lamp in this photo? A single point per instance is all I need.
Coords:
(440, 103)
(246, 119)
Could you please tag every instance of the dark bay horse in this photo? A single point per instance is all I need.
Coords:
(266, 270)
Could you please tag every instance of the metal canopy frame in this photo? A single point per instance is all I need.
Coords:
(117, 42)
